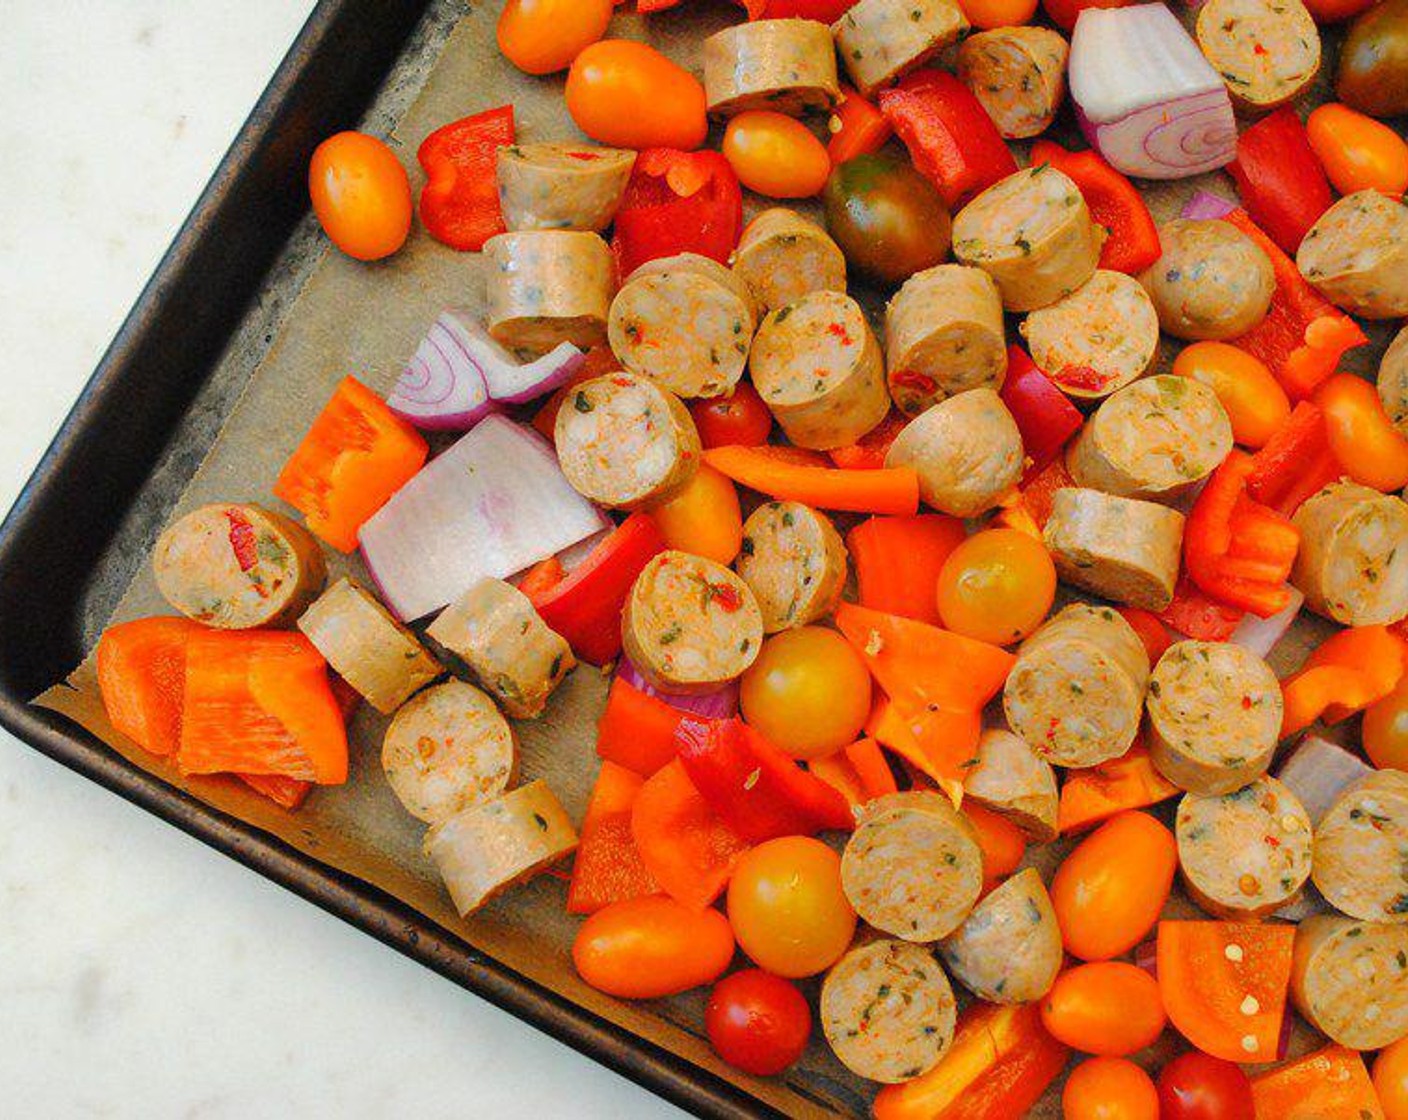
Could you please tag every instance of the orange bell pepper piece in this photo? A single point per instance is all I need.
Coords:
(636, 730)
(354, 457)
(857, 128)
(1206, 972)
(1038, 490)
(772, 471)
(141, 677)
(287, 793)
(935, 746)
(608, 866)
(1002, 843)
(1344, 674)
(897, 561)
(858, 772)
(1150, 630)
(999, 1065)
(1091, 796)
(690, 852)
(1328, 1083)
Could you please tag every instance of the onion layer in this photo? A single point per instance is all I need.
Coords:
(722, 703)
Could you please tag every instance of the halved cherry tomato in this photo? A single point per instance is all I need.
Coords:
(757, 1022)
(1391, 1080)
(1110, 1008)
(1197, 1086)
(808, 691)
(776, 155)
(1363, 439)
(361, 195)
(629, 95)
(1385, 730)
(702, 517)
(1358, 152)
(1109, 1089)
(787, 907)
(1109, 891)
(1255, 403)
(741, 419)
(987, 14)
(997, 586)
(544, 36)
(645, 948)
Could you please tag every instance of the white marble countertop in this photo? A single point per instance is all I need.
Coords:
(141, 973)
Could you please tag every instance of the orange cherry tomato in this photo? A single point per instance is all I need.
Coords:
(1358, 152)
(544, 36)
(808, 692)
(1385, 730)
(1109, 1089)
(1108, 892)
(776, 155)
(997, 586)
(702, 517)
(629, 95)
(1110, 1008)
(361, 195)
(741, 418)
(1363, 439)
(645, 948)
(1391, 1080)
(987, 14)
(1254, 402)
(787, 907)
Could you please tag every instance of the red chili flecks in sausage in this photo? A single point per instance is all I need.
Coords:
(1083, 377)
(839, 331)
(727, 597)
(911, 379)
(242, 539)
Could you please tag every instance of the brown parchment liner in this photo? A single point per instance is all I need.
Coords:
(366, 320)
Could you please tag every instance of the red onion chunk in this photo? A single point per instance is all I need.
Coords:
(491, 505)
(722, 703)
(1318, 771)
(1260, 635)
(442, 388)
(1146, 956)
(1205, 206)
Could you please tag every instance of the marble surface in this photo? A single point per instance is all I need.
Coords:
(141, 973)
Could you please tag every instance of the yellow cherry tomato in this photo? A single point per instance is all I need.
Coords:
(808, 692)
(544, 36)
(703, 517)
(776, 155)
(629, 95)
(1110, 1008)
(787, 907)
(1385, 730)
(987, 14)
(997, 586)
(1391, 1080)
(361, 195)
(1363, 439)
(1255, 403)
(1358, 152)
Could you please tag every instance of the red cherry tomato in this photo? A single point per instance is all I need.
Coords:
(361, 195)
(1197, 1086)
(1109, 1089)
(757, 1022)
(742, 418)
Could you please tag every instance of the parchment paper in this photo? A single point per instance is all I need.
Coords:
(366, 320)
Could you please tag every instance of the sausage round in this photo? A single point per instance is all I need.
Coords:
(818, 367)
(623, 441)
(1120, 548)
(1214, 716)
(448, 748)
(1350, 980)
(966, 450)
(913, 868)
(1211, 281)
(690, 625)
(368, 648)
(1076, 691)
(1032, 233)
(685, 321)
(561, 186)
(1246, 853)
(795, 562)
(1353, 559)
(786, 65)
(782, 256)
(1360, 860)
(943, 335)
(1393, 380)
(485, 849)
(1019, 76)
(1356, 255)
(881, 40)
(1013, 782)
(888, 1011)
(494, 629)
(1097, 339)
(543, 287)
(1153, 439)
(238, 566)
(1009, 949)
(1267, 51)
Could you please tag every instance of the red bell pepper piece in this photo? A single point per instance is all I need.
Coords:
(1150, 629)
(678, 202)
(1236, 549)
(754, 788)
(950, 136)
(1113, 201)
(1044, 415)
(1295, 462)
(827, 11)
(868, 453)
(459, 205)
(1039, 489)
(858, 128)
(1303, 336)
(1195, 614)
(682, 842)
(897, 561)
(637, 730)
(608, 867)
(585, 605)
(1279, 179)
